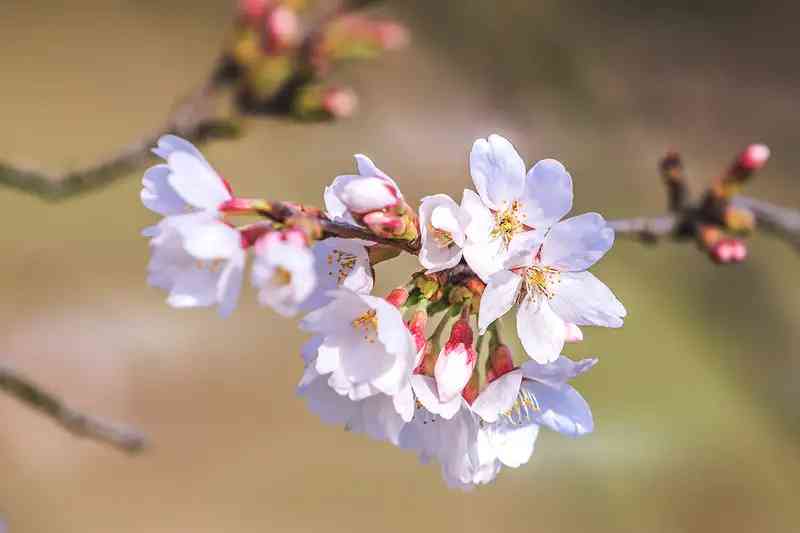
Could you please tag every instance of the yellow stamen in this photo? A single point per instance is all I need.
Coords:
(542, 280)
(368, 324)
(281, 277)
(508, 223)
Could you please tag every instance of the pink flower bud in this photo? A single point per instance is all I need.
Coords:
(574, 333)
(501, 361)
(283, 29)
(728, 250)
(427, 363)
(253, 10)
(385, 224)
(397, 297)
(754, 157)
(472, 389)
(391, 35)
(340, 103)
(456, 361)
(367, 194)
(416, 326)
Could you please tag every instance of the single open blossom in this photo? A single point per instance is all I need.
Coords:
(510, 205)
(284, 274)
(339, 264)
(187, 182)
(443, 225)
(375, 415)
(365, 347)
(198, 260)
(552, 288)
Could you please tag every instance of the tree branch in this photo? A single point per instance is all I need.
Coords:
(645, 229)
(77, 423)
(783, 222)
(192, 118)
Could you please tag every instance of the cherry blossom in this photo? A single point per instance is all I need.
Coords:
(443, 227)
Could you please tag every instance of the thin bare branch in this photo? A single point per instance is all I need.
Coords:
(77, 423)
(646, 229)
(191, 119)
(783, 222)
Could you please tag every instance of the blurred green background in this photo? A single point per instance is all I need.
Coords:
(696, 400)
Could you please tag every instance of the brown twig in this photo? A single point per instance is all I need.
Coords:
(783, 222)
(77, 423)
(192, 118)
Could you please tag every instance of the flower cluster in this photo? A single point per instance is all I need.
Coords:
(426, 368)
(281, 52)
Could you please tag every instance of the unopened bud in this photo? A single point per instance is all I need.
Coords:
(728, 251)
(397, 297)
(574, 333)
(339, 102)
(367, 194)
(501, 361)
(391, 36)
(476, 286)
(754, 157)
(456, 361)
(471, 389)
(459, 295)
(427, 365)
(739, 219)
(385, 224)
(416, 326)
(253, 10)
(427, 285)
(283, 29)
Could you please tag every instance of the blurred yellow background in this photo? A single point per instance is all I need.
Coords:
(696, 399)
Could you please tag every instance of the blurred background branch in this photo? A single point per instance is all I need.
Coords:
(77, 423)
(274, 63)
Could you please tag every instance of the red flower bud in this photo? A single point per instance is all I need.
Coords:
(397, 297)
(501, 361)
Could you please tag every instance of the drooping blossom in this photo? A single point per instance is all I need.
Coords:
(365, 348)
(198, 260)
(510, 205)
(552, 287)
(443, 225)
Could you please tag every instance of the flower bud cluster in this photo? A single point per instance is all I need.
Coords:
(274, 46)
(426, 368)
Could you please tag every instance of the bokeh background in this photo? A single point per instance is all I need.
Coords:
(696, 400)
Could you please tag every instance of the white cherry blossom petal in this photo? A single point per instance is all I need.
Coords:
(541, 331)
(558, 372)
(498, 298)
(196, 182)
(548, 194)
(158, 195)
(497, 171)
(498, 397)
(563, 410)
(577, 243)
(584, 300)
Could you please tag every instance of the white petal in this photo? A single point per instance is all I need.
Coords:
(498, 397)
(523, 249)
(541, 331)
(548, 194)
(584, 300)
(339, 263)
(452, 371)
(158, 195)
(427, 393)
(363, 195)
(169, 144)
(328, 358)
(577, 243)
(563, 410)
(404, 402)
(498, 298)
(194, 288)
(481, 221)
(367, 168)
(196, 182)
(513, 444)
(558, 372)
(230, 284)
(497, 171)
(486, 258)
(214, 240)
